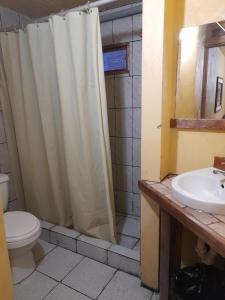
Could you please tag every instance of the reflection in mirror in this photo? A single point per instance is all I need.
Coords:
(201, 72)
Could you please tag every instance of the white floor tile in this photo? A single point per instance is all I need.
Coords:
(125, 287)
(59, 262)
(89, 277)
(35, 287)
(62, 292)
(130, 227)
(126, 241)
(41, 249)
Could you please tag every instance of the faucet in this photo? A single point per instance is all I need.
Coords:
(219, 172)
(222, 181)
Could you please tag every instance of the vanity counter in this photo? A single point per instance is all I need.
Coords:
(209, 227)
(173, 216)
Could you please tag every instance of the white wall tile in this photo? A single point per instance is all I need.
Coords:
(92, 251)
(113, 149)
(124, 202)
(11, 18)
(137, 27)
(123, 92)
(123, 263)
(124, 178)
(112, 122)
(136, 91)
(110, 89)
(137, 58)
(107, 33)
(129, 226)
(126, 241)
(136, 205)
(63, 241)
(114, 176)
(136, 177)
(122, 30)
(136, 152)
(124, 122)
(124, 151)
(136, 123)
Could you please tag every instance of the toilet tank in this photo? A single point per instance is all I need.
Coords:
(4, 192)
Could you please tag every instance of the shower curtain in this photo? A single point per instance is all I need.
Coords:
(53, 89)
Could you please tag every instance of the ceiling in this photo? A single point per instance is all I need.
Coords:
(41, 8)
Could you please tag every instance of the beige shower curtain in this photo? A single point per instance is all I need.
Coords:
(54, 80)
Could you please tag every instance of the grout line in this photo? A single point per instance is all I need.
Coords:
(51, 291)
(114, 274)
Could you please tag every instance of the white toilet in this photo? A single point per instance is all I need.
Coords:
(22, 231)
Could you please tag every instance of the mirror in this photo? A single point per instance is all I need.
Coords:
(201, 72)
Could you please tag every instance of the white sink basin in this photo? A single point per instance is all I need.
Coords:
(201, 189)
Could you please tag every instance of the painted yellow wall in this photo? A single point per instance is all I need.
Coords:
(199, 12)
(195, 149)
(186, 73)
(6, 292)
(152, 67)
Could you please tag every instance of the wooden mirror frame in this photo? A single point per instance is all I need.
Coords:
(207, 124)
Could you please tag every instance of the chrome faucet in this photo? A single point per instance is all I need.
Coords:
(222, 181)
(219, 172)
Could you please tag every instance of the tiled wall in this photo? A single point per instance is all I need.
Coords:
(8, 18)
(124, 112)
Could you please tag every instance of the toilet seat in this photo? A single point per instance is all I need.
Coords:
(21, 228)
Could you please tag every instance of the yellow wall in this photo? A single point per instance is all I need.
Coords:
(199, 12)
(152, 67)
(195, 149)
(186, 73)
(5, 272)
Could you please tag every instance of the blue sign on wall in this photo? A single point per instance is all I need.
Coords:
(115, 60)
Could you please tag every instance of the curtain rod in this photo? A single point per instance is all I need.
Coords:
(88, 5)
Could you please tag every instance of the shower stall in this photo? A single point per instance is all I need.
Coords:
(73, 133)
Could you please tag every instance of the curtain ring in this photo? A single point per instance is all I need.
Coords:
(89, 7)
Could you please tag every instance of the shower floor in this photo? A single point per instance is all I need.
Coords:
(128, 231)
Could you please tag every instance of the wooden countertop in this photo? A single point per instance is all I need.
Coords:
(208, 227)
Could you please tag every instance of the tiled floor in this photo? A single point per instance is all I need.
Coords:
(64, 275)
(128, 232)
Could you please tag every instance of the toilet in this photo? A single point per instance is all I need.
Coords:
(22, 231)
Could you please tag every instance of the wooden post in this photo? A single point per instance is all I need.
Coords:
(170, 251)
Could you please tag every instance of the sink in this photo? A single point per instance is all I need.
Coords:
(201, 189)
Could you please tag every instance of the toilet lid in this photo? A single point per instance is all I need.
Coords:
(20, 225)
